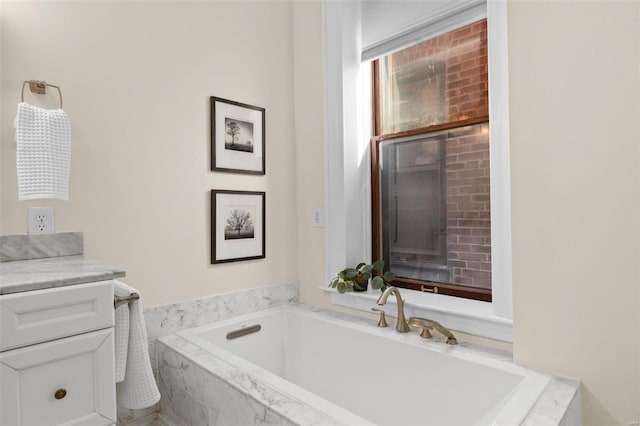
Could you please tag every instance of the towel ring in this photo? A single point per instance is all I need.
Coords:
(40, 88)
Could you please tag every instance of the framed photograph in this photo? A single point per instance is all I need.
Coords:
(237, 137)
(237, 225)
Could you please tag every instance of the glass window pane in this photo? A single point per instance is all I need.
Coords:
(441, 80)
(435, 206)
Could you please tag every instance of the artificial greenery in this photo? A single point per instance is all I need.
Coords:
(350, 278)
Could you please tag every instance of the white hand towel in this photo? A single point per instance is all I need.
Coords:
(139, 389)
(43, 156)
(121, 330)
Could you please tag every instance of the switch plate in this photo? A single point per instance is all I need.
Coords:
(317, 220)
(40, 220)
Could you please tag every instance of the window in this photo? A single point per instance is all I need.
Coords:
(430, 164)
(347, 179)
(348, 236)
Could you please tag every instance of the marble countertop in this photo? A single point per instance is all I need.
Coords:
(38, 274)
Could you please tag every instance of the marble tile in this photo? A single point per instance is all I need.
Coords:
(241, 409)
(573, 415)
(556, 398)
(160, 420)
(180, 407)
(188, 367)
(201, 388)
(155, 419)
(24, 247)
(559, 402)
(127, 416)
(38, 274)
(165, 319)
(539, 419)
(231, 395)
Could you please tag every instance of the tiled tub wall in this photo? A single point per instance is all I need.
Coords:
(167, 319)
(194, 395)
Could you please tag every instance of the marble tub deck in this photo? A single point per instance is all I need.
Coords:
(201, 388)
(167, 319)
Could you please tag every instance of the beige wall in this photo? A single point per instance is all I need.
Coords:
(575, 114)
(307, 30)
(136, 80)
(309, 128)
(574, 85)
(140, 176)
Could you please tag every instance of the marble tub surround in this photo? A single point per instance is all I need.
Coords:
(154, 420)
(199, 388)
(181, 407)
(130, 417)
(560, 404)
(207, 389)
(25, 247)
(38, 274)
(167, 319)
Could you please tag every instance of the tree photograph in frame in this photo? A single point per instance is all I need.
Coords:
(237, 137)
(237, 225)
(239, 222)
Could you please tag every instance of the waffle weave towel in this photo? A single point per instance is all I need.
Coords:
(139, 389)
(43, 157)
(121, 330)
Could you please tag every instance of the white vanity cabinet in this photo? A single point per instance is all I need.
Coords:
(57, 357)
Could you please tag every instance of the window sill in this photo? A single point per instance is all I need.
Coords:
(465, 315)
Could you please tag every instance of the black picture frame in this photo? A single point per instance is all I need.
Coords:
(237, 137)
(233, 237)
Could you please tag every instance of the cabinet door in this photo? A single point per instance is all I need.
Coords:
(41, 315)
(68, 381)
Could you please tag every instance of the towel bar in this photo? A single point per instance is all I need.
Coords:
(120, 300)
(40, 88)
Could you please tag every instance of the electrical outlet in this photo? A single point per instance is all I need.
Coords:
(41, 220)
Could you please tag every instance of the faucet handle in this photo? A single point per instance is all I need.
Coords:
(424, 324)
(427, 324)
(382, 322)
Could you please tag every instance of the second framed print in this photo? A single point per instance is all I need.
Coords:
(237, 225)
(237, 137)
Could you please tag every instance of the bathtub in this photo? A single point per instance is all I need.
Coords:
(348, 371)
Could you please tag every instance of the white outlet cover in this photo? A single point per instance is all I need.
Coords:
(40, 220)
(317, 218)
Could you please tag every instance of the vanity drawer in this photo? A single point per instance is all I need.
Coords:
(43, 315)
(67, 381)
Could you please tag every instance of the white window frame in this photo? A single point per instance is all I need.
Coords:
(347, 177)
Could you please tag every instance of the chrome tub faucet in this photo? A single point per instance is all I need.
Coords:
(401, 323)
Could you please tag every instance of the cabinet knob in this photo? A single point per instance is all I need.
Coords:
(60, 393)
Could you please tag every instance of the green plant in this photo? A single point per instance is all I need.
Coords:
(350, 278)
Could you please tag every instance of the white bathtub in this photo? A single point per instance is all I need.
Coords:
(357, 373)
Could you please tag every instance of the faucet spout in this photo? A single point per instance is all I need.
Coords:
(427, 324)
(401, 323)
